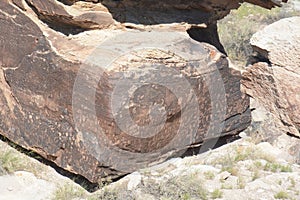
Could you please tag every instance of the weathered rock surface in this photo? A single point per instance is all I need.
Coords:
(276, 84)
(71, 20)
(40, 70)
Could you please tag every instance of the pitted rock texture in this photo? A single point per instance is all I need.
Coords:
(276, 84)
(39, 66)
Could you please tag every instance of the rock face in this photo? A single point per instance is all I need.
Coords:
(276, 84)
(62, 96)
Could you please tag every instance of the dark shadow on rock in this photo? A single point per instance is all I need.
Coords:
(147, 13)
(256, 57)
(209, 35)
(216, 143)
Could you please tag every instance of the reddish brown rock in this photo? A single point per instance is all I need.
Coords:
(57, 17)
(276, 84)
(53, 102)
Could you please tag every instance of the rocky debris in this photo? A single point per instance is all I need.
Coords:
(234, 171)
(239, 169)
(47, 87)
(275, 84)
(266, 127)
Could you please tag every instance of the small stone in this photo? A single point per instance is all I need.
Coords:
(223, 175)
(134, 180)
(243, 135)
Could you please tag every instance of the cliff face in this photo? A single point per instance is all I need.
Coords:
(160, 94)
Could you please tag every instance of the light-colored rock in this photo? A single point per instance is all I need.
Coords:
(24, 186)
(134, 180)
(250, 181)
(140, 195)
(223, 176)
(279, 42)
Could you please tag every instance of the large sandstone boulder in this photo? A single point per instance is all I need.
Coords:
(101, 95)
(275, 84)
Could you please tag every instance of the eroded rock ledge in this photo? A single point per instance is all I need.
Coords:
(40, 66)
